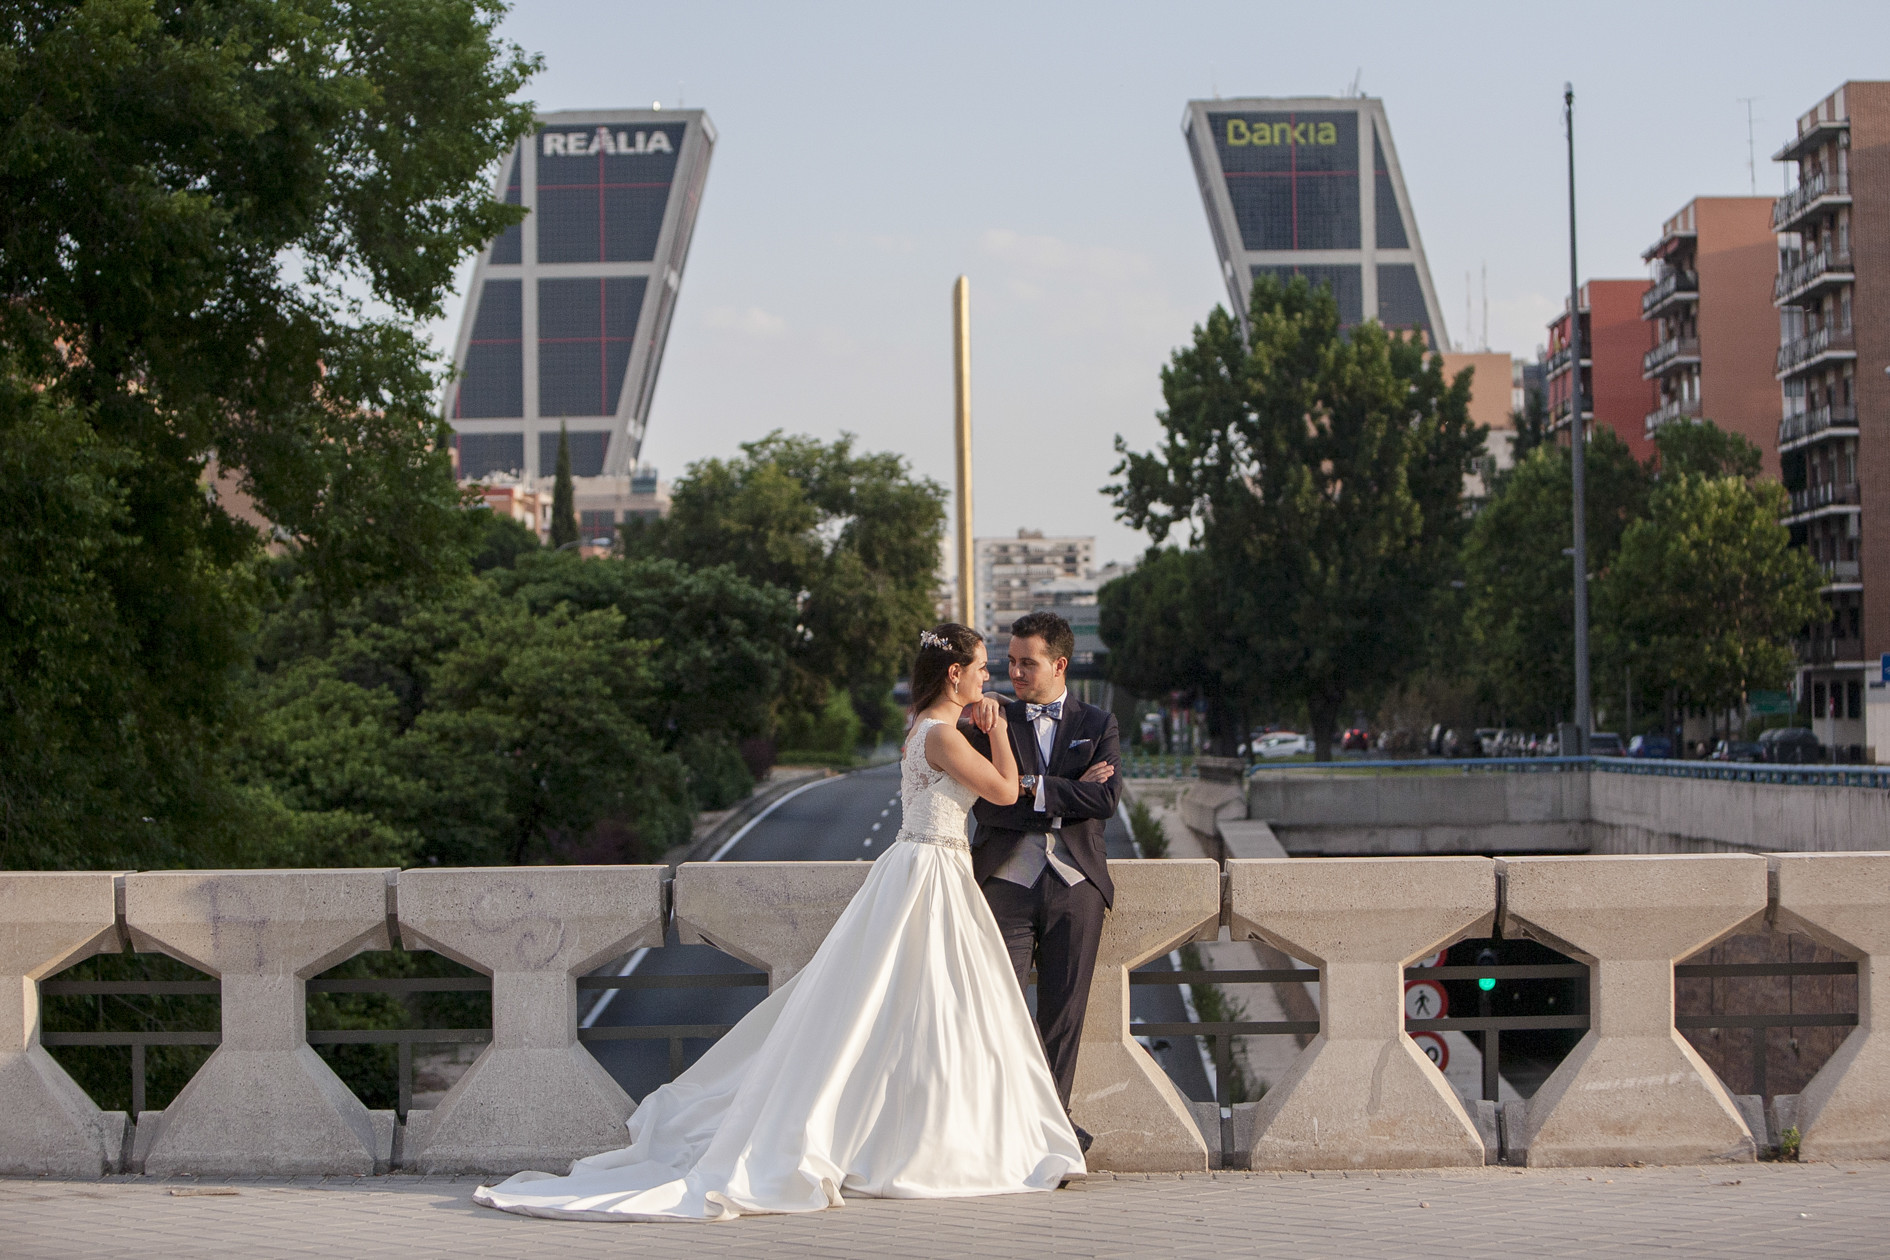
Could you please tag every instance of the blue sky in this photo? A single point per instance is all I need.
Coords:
(870, 153)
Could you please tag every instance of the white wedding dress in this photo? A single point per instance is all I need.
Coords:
(901, 1063)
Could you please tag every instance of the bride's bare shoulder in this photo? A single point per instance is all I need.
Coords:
(941, 738)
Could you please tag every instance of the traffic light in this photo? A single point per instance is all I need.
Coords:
(1486, 958)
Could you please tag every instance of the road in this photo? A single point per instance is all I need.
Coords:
(853, 817)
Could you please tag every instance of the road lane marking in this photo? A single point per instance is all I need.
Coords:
(636, 959)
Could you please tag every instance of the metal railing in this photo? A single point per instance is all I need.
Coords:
(1138, 765)
(1668, 412)
(404, 1039)
(1792, 206)
(1828, 494)
(1815, 421)
(1726, 771)
(1841, 570)
(1673, 350)
(1677, 281)
(1828, 262)
(1795, 354)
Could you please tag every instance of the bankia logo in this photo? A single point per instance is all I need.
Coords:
(1241, 132)
(604, 140)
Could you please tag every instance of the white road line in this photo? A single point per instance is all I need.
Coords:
(636, 959)
(867, 843)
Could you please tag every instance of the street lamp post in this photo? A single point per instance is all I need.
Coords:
(1584, 717)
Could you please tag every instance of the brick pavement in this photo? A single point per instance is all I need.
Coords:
(1763, 1210)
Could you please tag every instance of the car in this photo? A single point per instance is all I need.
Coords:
(1281, 744)
(1485, 741)
(1791, 745)
(1654, 746)
(1738, 750)
(1605, 744)
(1357, 739)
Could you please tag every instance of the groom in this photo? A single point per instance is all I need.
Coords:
(1041, 861)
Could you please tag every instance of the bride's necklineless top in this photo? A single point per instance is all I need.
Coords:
(933, 805)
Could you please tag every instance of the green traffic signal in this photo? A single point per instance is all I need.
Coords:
(1486, 983)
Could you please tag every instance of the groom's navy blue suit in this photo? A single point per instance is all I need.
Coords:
(1054, 923)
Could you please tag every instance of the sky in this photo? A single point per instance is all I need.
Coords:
(869, 154)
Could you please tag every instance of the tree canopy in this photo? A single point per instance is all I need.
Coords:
(1321, 472)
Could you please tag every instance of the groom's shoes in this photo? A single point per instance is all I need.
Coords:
(1083, 1139)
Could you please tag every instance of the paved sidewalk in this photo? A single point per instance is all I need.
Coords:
(1763, 1211)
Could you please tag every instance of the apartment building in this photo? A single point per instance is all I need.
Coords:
(1833, 296)
(1011, 569)
(1615, 342)
(1713, 329)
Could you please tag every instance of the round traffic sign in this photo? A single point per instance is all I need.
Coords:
(1424, 999)
(1435, 960)
(1432, 1044)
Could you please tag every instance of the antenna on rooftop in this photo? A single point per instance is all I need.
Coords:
(1752, 166)
(1356, 76)
(1486, 308)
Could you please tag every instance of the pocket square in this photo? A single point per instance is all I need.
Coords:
(1078, 743)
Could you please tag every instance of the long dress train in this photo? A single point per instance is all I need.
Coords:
(901, 1063)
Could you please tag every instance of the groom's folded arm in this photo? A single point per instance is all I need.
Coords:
(1073, 798)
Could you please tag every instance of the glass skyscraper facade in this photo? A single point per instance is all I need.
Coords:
(1311, 186)
(569, 311)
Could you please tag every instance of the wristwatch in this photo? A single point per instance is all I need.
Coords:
(1026, 783)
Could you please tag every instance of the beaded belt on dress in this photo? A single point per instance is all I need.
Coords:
(944, 842)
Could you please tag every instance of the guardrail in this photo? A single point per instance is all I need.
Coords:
(1819, 775)
(264, 1103)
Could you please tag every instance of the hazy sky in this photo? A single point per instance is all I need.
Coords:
(870, 153)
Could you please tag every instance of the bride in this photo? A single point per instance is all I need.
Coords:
(900, 1063)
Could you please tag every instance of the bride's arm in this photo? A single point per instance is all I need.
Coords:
(947, 749)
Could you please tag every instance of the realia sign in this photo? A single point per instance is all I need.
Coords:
(603, 140)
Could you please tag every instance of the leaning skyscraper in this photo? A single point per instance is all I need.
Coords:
(1311, 186)
(568, 312)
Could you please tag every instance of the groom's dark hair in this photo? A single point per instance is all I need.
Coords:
(1052, 629)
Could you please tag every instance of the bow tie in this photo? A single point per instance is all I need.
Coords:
(1053, 711)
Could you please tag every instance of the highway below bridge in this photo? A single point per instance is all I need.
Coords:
(852, 817)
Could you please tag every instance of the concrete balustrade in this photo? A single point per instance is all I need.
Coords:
(1842, 900)
(264, 1102)
(535, 1097)
(48, 1125)
(771, 915)
(1362, 1095)
(1632, 1089)
(1140, 1121)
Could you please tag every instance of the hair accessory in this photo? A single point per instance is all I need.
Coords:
(928, 639)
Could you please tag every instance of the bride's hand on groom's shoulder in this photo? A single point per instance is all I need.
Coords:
(986, 714)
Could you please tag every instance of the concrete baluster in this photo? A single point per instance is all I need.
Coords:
(771, 915)
(1842, 900)
(535, 1097)
(1361, 1094)
(48, 1125)
(264, 1102)
(1140, 1121)
(1632, 1089)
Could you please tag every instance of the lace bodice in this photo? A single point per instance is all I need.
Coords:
(934, 804)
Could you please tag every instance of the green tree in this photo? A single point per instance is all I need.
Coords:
(1707, 592)
(222, 222)
(1322, 473)
(854, 535)
(1704, 449)
(564, 526)
(1156, 621)
(1519, 580)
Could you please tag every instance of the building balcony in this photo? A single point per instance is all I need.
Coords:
(1812, 135)
(1813, 349)
(1811, 275)
(1841, 574)
(1677, 286)
(1668, 412)
(1832, 496)
(1815, 195)
(1557, 363)
(1669, 354)
(1818, 423)
(1826, 650)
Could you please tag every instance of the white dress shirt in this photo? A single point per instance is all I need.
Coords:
(1039, 848)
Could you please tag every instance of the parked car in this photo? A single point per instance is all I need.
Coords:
(1485, 739)
(1791, 745)
(1281, 744)
(1357, 739)
(1654, 746)
(1605, 744)
(1738, 750)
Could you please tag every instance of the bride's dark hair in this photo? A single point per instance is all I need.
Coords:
(940, 648)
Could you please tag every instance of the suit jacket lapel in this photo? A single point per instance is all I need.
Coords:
(1067, 726)
(1024, 740)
